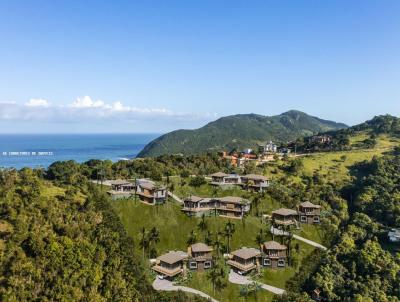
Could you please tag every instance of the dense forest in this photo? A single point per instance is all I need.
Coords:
(359, 266)
(66, 244)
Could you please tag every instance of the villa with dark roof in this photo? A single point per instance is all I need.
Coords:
(245, 260)
(255, 182)
(309, 213)
(284, 217)
(149, 192)
(171, 264)
(120, 188)
(230, 206)
(274, 255)
(200, 256)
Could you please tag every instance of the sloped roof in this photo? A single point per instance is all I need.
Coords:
(232, 199)
(246, 252)
(308, 204)
(194, 198)
(119, 182)
(200, 247)
(219, 174)
(173, 257)
(284, 212)
(255, 177)
(273, 245)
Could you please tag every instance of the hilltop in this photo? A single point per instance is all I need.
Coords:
(239, 131)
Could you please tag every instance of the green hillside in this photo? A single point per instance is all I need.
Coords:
(239, 131)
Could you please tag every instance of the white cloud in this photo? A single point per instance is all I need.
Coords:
(86, 102)
(37, 103)
(85, 109)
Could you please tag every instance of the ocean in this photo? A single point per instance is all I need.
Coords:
(40, 150)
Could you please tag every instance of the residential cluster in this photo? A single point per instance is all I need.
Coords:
(199, 257)
(307, 212)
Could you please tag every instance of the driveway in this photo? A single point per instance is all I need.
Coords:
(243, 280)
(170, 194)
(166, 285)
(310, 242)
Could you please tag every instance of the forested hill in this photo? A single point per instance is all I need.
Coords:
(239, 131)
(64, 243)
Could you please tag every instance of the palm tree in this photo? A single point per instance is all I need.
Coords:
(143, 242)
(228, 232)
(217, 242)
(244, 291)
(208, 238)
(260, 238)
(216, 276)
(256, 202)
(192, 238)
(153, 237)
(202, 226)
(255, 288)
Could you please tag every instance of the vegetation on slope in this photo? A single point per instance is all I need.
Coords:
(66, 244)
(237, 132)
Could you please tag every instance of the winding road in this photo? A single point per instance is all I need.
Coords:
(243, 280)
(166, 285)
(310, 242)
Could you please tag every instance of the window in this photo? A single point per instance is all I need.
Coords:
(303, 218)
(207, 264)
(316, 218)
(267, 262)
(281, 262)
(193, 265)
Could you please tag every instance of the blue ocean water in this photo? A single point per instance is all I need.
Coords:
(40, 150)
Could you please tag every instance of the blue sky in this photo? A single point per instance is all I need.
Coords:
(154, 66)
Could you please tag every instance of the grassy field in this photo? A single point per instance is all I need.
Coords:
(335, 165)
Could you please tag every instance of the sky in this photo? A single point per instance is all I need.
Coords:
(155, 66)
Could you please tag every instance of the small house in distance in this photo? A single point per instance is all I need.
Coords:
(285, 217)
(268, 147)
(274, 254)
(229, 206)
(200, 256)
(309, 213)
(120, 188)
(221, 179)
(171, 264)
(255, 182)
(394, 235)
(245, 260)
(149, 192)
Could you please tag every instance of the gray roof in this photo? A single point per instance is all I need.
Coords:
(219, 174)
(200, 247)
(173, 257)
(284, 212)
(194, 198)
(232, 199)
(308, 204)
(246, 253)
(273, 245)
(119, 182)
(255, 177)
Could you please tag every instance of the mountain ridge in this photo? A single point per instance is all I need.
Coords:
(239, 131)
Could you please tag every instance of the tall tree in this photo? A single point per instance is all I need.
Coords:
(229, 230)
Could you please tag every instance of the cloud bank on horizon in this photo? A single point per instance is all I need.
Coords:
(85, 109)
